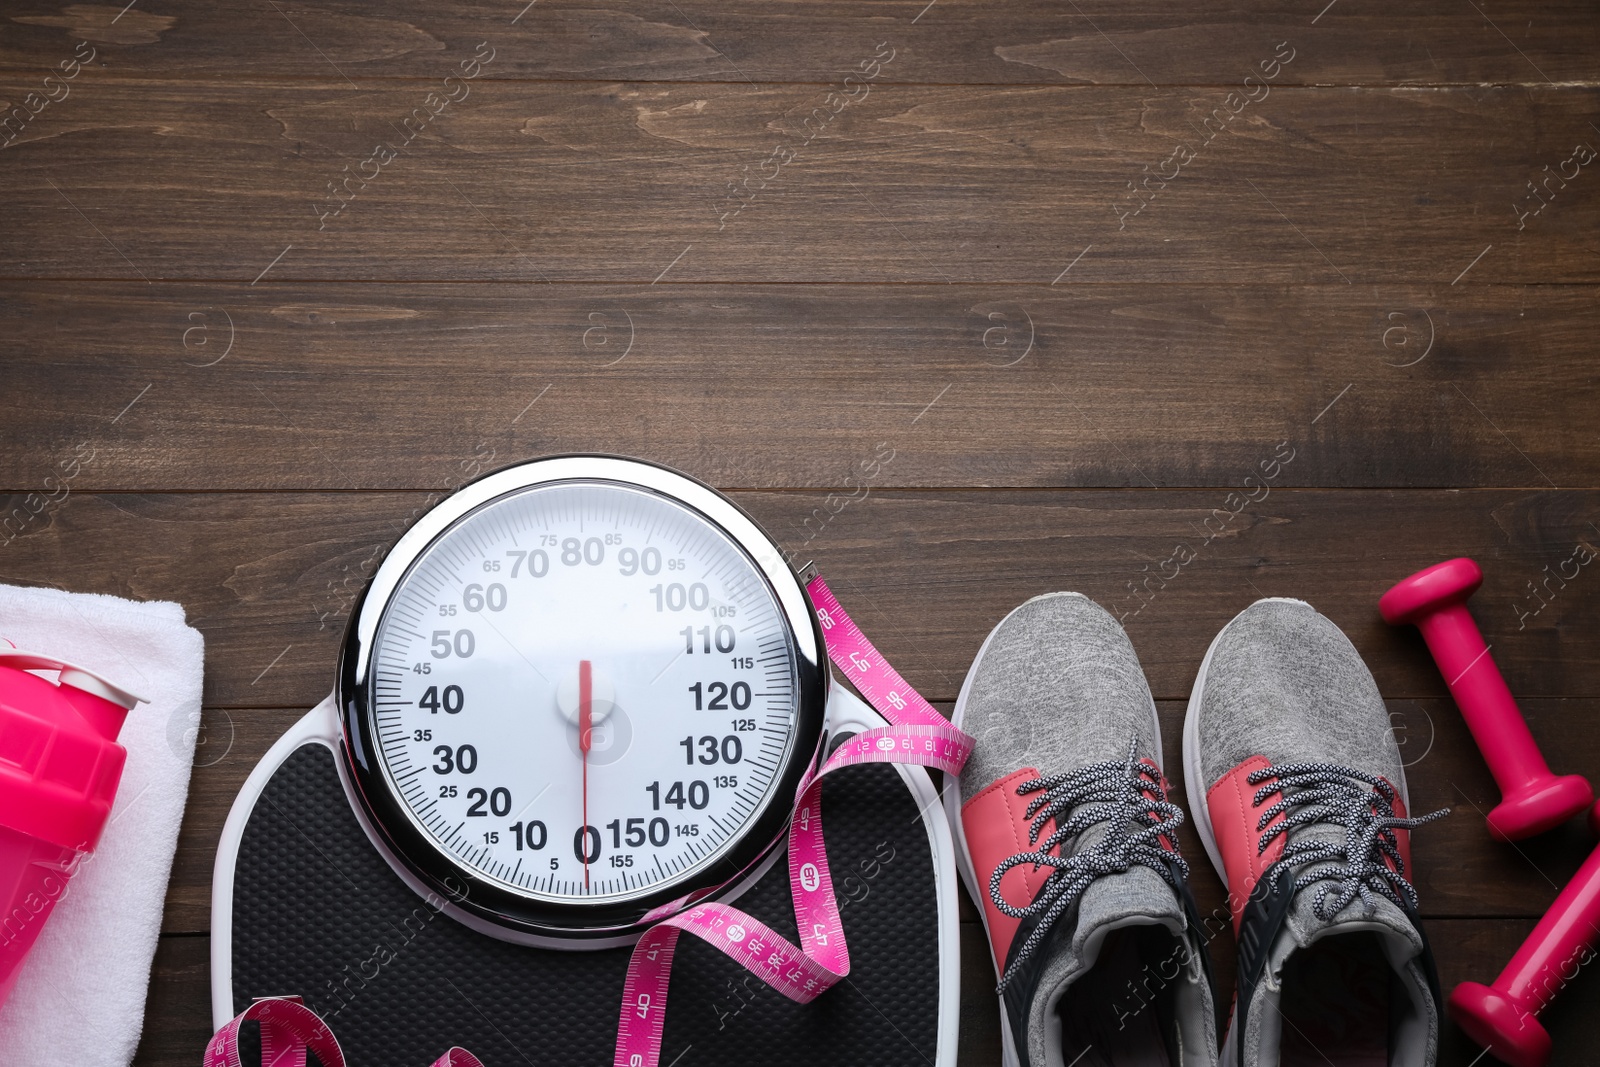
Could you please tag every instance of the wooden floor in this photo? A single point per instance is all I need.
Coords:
(275, 276)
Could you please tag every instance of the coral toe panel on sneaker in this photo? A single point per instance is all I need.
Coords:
(1241, 838)
(1300, 794)
(1066, 835)
(996, 826)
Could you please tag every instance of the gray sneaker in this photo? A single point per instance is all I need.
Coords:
(1300, 798)
(1066, 842)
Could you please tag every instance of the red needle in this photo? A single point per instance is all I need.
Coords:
(585, 740)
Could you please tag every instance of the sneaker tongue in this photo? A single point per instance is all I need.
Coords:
(1304, 926)
(1135, 897)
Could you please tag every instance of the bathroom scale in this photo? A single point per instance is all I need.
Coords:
(579, 694)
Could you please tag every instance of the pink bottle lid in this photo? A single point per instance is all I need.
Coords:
(59, 758)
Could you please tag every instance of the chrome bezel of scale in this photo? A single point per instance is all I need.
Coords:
(519, 915)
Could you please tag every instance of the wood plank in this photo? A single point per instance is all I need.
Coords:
(177, 1014)
(1358, 42)
(629, 182)
(928, 573)
(300, 387)
(177, 1020)
(980, 1015)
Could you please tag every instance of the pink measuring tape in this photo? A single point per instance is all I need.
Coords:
(919, 735)
(288, 1030)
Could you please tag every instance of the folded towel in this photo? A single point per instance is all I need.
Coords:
(80, 996)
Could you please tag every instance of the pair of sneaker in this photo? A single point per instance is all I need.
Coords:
(1068, 844)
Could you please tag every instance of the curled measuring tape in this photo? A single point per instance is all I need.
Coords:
(289, 1030)
(918, 735)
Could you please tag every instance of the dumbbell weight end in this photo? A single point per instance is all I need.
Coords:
(1503, 1016)
(1533, 799)
(1492, 1020)
(1541, 805)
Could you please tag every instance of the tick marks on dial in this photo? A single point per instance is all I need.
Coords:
(590, 602)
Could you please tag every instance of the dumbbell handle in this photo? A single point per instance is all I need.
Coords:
(1480, 692)
(1552, 954)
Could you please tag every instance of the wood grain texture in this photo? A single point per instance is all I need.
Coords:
(630, 182)
(269, 578)
(303, 387)
(241, 348)
(1359, 42)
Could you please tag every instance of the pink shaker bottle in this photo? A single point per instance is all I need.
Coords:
(59, 768)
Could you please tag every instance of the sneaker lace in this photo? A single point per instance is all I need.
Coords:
(1329, 793)
(1111, 791)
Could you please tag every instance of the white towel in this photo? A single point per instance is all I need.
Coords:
(80, 997)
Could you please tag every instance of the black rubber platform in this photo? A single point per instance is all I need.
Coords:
(317, 912)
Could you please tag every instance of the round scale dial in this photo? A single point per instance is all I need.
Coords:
(583, 691)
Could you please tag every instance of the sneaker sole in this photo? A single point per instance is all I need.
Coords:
(951, 794)
(1194, 791)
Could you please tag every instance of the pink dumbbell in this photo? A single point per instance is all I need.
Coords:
(1533, 799)
(1502, 1016)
